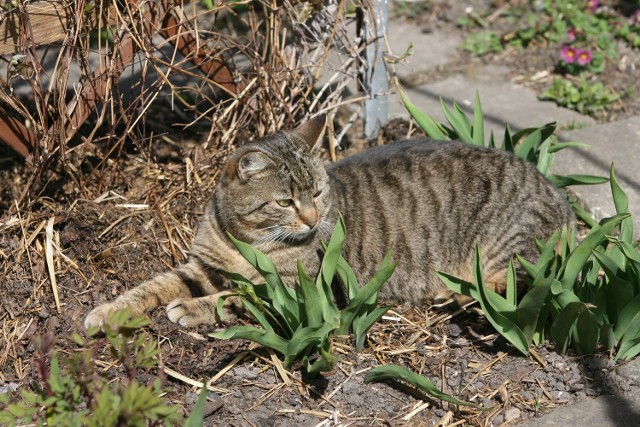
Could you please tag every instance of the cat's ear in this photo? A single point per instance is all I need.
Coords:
(249, 164)
(311, 131)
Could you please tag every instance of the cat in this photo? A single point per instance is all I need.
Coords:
(433, 201)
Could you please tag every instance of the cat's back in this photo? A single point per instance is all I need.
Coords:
(435, 201)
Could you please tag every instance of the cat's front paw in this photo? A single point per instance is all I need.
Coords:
(98, 315)
(200, 311)
(188, 312)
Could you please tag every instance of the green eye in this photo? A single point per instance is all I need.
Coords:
(284, 202)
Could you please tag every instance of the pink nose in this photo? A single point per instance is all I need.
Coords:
(309, 217)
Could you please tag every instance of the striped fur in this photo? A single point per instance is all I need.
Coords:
(433, 201)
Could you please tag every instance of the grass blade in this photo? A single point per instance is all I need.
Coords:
(562, 181)
(432, 128)
(458, 122)
(578, 258)
(395, 372)
(478, 122)
(621, 202)
(261, 336)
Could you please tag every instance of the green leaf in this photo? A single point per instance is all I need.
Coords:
(621, 202)
(507, 141)
(259, 316)
(627, 317)
(629, 349)
(284, 300)
(503, 324)
(564, 324)
(326, 362)
(196, 418)
(251, 333)
(529, 147)
(557, 146)
(529, 308)
(583, 214)
(310, 293)
(458, 121)
(362, 324)
(395, 372)
(302, 339)
(566, 180)
(365, 293)
(587, 333)
(432, 128)
(478, 122)
(577, 259)
(332, 252)
(348, 278)
(545, 158)
(531, 269)
(512, 285)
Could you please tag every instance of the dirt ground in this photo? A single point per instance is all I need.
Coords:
(115, 227)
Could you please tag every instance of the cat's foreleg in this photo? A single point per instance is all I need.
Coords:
(189, 281)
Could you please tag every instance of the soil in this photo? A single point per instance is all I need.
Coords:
(115, 227)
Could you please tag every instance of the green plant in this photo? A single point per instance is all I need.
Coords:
(395, 372)
(301, 322)
(568, 300)
(583, 296)
(412, 9)
(586, 98)
(537, 145)
(482, 42)
(72, 392)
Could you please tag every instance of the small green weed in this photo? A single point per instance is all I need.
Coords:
(482, 42)
(411, 9)
(73, 392)
(586, 97)
(301, 322)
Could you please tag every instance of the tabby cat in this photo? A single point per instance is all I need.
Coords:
(433, 201)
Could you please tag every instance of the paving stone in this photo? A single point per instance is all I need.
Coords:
(617, 142)
(502, 101)
(603, 411)
(443, 47)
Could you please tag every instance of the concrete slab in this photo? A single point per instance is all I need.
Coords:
(617, 142)
(502, 101)
(430, 50)
(603, 411)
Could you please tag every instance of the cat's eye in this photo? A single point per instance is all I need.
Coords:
(284, 202)
(317, 194)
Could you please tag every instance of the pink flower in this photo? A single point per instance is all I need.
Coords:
(593, 5)
(568, 54)
(584, 56)
(571, 34)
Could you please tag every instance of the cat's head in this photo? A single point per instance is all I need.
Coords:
(276, 191)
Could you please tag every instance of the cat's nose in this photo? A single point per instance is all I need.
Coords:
(309, 217)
